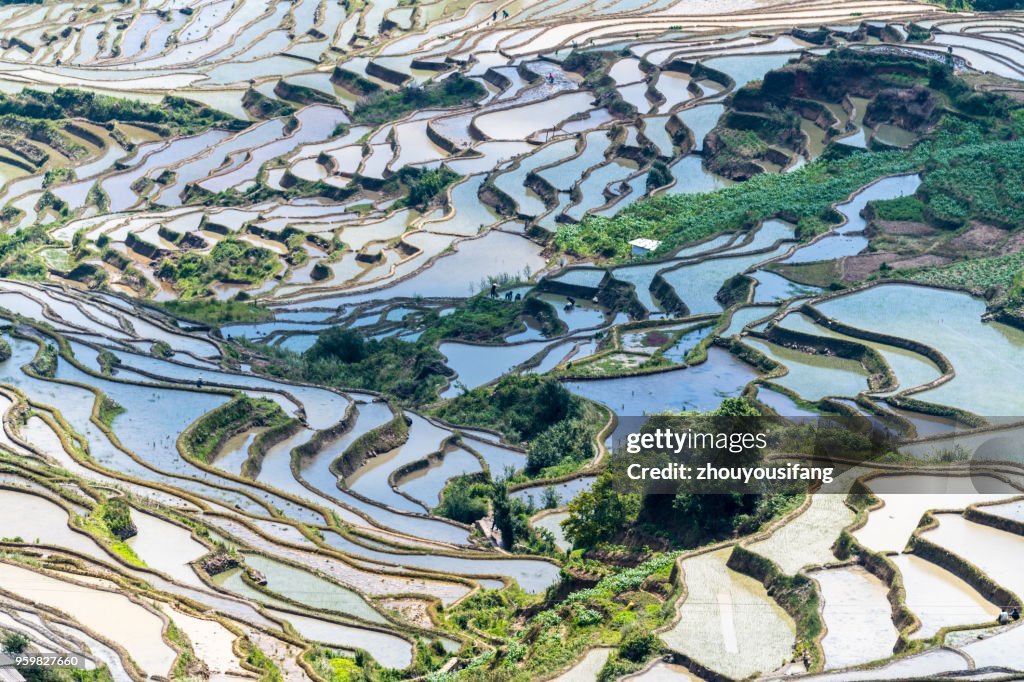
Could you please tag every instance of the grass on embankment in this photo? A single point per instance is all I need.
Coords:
(972, 161)
(382, 106)
(214, 311)
(209, 433)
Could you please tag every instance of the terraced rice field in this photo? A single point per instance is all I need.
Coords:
(189, 497)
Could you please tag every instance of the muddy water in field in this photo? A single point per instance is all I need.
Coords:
(938, 598)
(388, 650)
(858, 616)
(371, 480)
(906, 498)
(108, 614)
(997, 553)
(719, 608)
(311, 590)
(166, 547)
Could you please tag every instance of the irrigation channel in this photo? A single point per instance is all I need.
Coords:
(282, 544)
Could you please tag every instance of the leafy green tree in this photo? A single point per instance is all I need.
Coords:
(338, 343)
(638, 646)
(464, 500)
(566, 440)
(118, 518)
(600, 514)
(15, 643)
(503, 520)
(521, 406)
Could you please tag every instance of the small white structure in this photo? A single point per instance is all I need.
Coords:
(643, 246)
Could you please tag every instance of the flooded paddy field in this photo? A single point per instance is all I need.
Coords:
(319, 317)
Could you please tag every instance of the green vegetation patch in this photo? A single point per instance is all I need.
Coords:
(116, 514)
(231, 261)
(521, 406)
(486, 320)
(210, 432)
(410, 372)
(425, 186)
(907, 209)
(603, 515)
(382, 106)
(179, 114)
(621, 611)
(979, 276)
(109, 409)
(213, 311)
(465, 499)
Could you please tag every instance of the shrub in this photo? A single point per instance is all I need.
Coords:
(15, 643)
(116, 514)
(566, 440)
(638, 646)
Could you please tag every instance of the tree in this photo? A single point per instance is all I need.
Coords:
(566, 440)
(116, 514)
(599, 514)
(15, 643)
(339, 344)
(549, 499)
(464, 500)
(503, 520)
(637, 645)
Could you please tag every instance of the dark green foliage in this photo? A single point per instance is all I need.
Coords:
(997, 5)
(685, 519)
(260, 106)
(638, 646)
(692, 519)
(565, 440)
(214, 311)
(116, 514)
(108, 410)
(917, 33)
(382, 106)
(600, 514)
(15, 643)
(585, 62)
(55, 176)
(503, 515)
(342, 345)
(17, 257)
(487, 320)
(520, 406)
(216, 426)
(735, 290)
(426, 185)
(658, 176)
(409, 372)
(108, 362)
(231, 261)
(176, 112)
(1015, 294)
(465, 500)
(45, 363)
